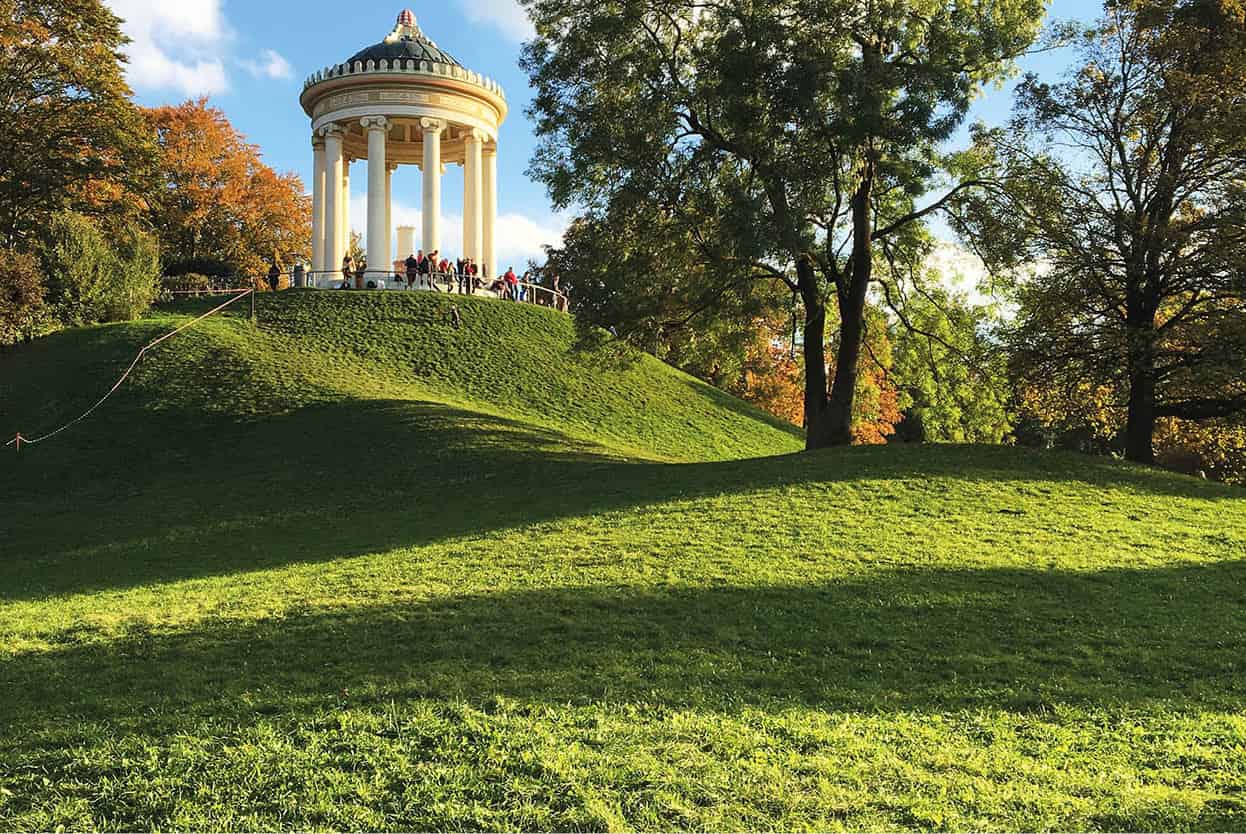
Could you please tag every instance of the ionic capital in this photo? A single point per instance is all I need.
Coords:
(374, 123)
(317, 141)
(432, 125)
(490, 149)
(473, 134)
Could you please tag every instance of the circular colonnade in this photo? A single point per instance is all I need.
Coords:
(402, 101)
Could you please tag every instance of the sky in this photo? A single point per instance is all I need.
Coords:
(250, 59)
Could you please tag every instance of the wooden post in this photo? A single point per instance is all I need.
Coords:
(253, 305)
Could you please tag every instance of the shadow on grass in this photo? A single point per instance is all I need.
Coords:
(358, 477)
(1022, 641)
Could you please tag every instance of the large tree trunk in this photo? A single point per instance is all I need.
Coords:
(1140, 422)
(814, 351)
(835, 428)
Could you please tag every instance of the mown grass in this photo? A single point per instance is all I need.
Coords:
(358, 569)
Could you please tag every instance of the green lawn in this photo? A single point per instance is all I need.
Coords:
(359, 569)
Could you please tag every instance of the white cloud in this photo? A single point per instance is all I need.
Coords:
(506, 15)
(270, 65)
(177, 46)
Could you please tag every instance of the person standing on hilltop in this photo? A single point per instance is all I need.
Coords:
(274, 277)
(348, 269)
(512, 284)
(413, 270)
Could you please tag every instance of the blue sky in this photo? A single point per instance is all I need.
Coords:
(250, 58)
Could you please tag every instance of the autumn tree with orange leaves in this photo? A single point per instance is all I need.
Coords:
(219, 202)
(773, 379)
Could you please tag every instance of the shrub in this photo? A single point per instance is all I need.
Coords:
(187, 282)
(91, 279)
(23, 314)
(76, 260)
(211, 267)
(134, 281)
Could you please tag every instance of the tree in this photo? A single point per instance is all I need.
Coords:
(636, 275)
(72, 138)
(951, 373)
(23, 315)
(1125, 184)
(792, 140)
(98, 276)
(218, 199)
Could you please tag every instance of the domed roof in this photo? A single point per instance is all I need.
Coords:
(405, 42)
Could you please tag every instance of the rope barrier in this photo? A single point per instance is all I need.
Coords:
(20, 439)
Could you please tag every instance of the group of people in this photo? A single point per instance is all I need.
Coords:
(510, 287)
(463, 276)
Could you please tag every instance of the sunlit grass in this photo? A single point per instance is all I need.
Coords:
(294, 578)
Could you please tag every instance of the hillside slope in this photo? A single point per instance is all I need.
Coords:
(362, 569)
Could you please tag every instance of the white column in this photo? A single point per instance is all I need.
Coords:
(472, 197)
(318, 195)
(406, 242)
(377, 128)
(430, 175)
(333, 252)
(389, 215)
(489, 187)
(345, 204)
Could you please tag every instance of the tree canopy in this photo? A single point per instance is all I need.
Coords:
(1124, 196)
(72, 138)
(793, 141)
(218, 200)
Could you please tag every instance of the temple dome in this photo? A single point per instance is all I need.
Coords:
(405, 42)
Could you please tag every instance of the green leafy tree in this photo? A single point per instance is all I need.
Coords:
(93, 276)
(1125, 183)
(70, 135)
(790, 140)
(951, 372)
(636, 274)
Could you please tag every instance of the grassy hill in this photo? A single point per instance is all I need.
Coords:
(359, 568)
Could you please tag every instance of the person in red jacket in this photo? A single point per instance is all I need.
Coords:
(512, 284)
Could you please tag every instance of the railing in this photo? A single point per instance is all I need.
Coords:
(379, 279)
(449, 282)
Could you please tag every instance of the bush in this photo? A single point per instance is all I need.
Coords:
(23, 314)
(134, 280)
(91, 279)
(188, 282)
(211, 267)
(76, 260)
